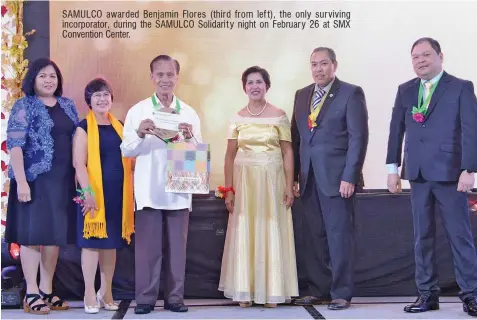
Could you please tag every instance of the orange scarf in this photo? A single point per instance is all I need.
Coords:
(96, 227)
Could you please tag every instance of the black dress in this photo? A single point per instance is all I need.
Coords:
(50, 217)
(113, 179)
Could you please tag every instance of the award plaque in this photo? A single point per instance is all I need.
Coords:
(167, 122)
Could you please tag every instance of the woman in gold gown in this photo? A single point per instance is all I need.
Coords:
(258, 265)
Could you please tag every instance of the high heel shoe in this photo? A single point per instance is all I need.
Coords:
(90, 309)
(245, 304)
(270, 305)
(107, 306)
(40, 308)
(54, 305)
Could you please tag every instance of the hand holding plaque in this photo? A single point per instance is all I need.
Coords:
(145, 127)
(166, 123)
(186, 130)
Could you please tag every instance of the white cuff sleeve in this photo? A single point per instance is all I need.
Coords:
(392, 168)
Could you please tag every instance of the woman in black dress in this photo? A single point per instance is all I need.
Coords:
(106, 210)
(41, 213)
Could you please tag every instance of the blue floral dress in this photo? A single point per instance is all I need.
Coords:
(50, 217)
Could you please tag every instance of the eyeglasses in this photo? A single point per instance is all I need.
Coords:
(99, 95)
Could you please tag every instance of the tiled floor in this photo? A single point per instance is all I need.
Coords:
(362, 308)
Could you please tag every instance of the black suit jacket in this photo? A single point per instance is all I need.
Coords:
(337, 147)
(446, 142)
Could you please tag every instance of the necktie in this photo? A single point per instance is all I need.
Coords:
(427, 86)
(319, 94)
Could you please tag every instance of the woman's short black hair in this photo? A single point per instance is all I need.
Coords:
(28, 85)
(256, 69)
(95, 85)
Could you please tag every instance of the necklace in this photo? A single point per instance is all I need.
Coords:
(257, 114)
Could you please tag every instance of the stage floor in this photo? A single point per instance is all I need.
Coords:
(362, 308)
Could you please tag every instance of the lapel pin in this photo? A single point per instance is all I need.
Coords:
(331, 95)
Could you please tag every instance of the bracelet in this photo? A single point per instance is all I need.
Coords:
(221, 191)
(82, 192)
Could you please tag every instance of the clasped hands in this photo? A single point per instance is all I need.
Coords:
(147, 126)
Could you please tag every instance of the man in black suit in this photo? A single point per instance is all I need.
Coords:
(438, 112)
(330, 138)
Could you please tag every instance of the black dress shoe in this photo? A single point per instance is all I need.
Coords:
(470, 306)
(339, 304)
(143, 308)
(175, 307)
(310, 300)
(424, 302)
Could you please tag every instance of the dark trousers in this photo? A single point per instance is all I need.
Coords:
(152, 227)
(330, 243)
(425, 195)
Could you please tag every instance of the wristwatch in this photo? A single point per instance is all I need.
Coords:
(470, 171)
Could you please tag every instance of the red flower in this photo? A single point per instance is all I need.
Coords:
(78, 200)
(4, 166)
(3, 87)
(473, 205)
(4, 10)
(3, 116)
(4, 147)
(418, 117)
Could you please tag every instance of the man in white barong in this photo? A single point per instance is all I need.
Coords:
(160, 215)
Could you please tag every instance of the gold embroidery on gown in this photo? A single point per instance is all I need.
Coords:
(259, 263)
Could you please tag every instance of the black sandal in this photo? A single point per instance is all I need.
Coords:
(57, 305)
(28, 307)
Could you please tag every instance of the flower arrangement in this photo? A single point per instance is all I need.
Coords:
(14, 66)
(81, 197)
(221, 191)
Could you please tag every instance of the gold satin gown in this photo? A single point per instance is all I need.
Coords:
(258, 263)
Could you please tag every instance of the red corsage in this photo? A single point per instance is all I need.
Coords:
(78, 200)
(418, 117)
(310, 123)
(82, 192)
(473, 205)
(419, 114)
(221, 191)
